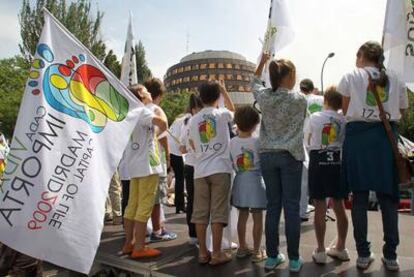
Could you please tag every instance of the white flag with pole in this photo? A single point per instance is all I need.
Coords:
(398, 39)
(279, 32)
(129, 74)
(75, 120)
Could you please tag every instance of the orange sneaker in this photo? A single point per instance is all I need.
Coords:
(145, 252)
(127, 249)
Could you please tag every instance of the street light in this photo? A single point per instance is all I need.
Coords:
(323, 67)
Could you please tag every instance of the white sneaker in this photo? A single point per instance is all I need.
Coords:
(319, 257)
(391, 265)
(364, 262)
(342, 255)
(192, 241)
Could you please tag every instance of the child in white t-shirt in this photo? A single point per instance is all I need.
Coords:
(210, 137)
(248, 192)
(144, 167)
(326, 131)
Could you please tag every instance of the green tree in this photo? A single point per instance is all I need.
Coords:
(175, 104)
(13, 75)
(143, 71)
(112, 63)
(406, 126)
(76, 17)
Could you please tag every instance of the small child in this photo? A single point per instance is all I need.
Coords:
(210, 138)
(326, 135)
(249, 192)
(144, 168)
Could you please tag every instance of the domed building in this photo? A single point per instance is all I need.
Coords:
(196, 68)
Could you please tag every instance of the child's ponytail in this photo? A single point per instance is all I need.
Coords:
(278, 70)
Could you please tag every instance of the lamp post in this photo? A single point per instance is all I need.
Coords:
(323, 67)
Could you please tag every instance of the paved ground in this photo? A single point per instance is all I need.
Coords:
(179, 259)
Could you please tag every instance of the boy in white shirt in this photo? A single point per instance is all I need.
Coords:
(326, 131)
(210, 138)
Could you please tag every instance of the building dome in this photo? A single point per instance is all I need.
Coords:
(198, 67)
(210, 54)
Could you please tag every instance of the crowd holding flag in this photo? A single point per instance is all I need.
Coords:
(60, 165)
(398, 39)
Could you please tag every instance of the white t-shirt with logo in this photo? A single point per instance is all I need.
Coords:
(362, 106)
(162, 154)
(190, 158)
(314, 104)
(244, 153)
(327, 130)
(143, 155)
(209, 131)
(175, 130)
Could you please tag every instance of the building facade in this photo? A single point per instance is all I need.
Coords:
(196, 68)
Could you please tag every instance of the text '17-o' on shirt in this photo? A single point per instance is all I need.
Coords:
(209, 131)
(327, 130)
(143, 155)
(244, 154)
(362, 106)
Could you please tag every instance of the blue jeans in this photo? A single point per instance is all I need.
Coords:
(389, 210)
(282, 175)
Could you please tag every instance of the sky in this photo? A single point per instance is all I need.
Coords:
(168, 27)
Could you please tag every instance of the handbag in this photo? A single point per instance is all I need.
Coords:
(402, 162)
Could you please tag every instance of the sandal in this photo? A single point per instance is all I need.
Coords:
(221, 259)
(259, 256)
(244, 253)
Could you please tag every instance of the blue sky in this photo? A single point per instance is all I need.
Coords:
(322, 26)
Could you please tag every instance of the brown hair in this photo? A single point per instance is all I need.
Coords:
(155, 86)
(278, 70)
(306, 86)
(246, 118)
(372, 51)
(209, 92)
(194, 102)
(333, 98)
(135, 89)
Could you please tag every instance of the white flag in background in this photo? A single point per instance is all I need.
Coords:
(279, 32)
(129, 64)
(74, 122)
(399, 39)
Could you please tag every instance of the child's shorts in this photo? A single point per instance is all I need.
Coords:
(142, 192)
(211, 199)
(325, 175)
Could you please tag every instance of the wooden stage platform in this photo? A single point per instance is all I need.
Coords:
(179, 258)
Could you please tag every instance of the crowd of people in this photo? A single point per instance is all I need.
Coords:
(290, 148)
(307, 147)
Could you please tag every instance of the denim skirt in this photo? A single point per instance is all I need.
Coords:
(368, 162)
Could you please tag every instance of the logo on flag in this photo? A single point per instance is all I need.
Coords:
(59, 168)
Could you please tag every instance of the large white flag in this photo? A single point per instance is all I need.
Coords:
(279, 32)
(74, 122)
(129, 74)
(399, 39)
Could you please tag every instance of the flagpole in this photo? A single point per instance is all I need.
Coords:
(107, 71)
